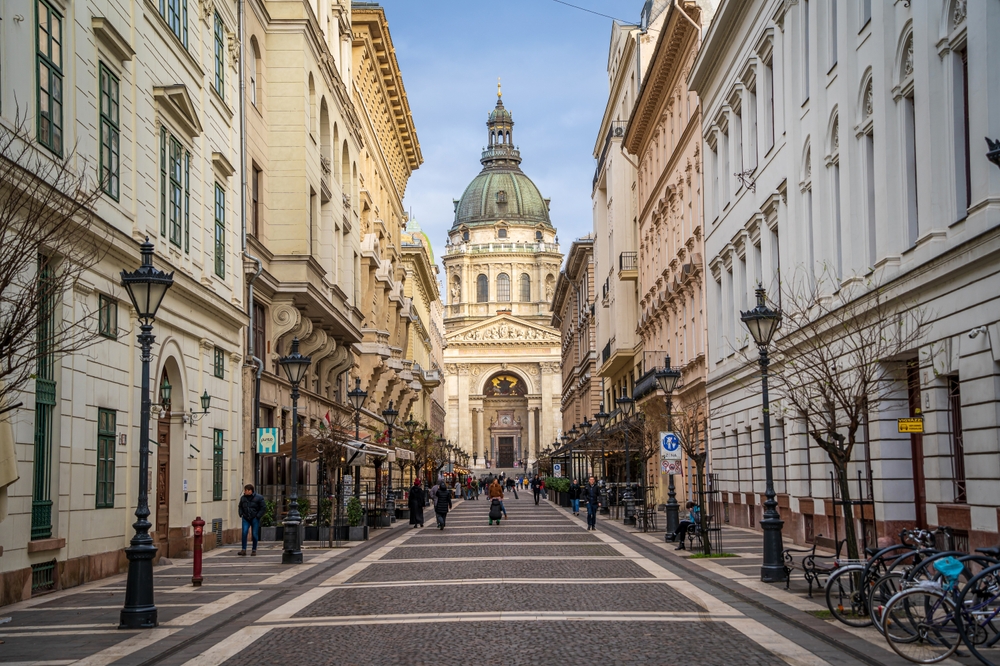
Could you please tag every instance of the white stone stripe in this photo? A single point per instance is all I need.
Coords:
(127, 647)
(297, 569)
(217, 606)
(517, 558)
(522, 616)
(289, 609)
(222, 651)
(790, 652)
(490, 581)
(491, 544)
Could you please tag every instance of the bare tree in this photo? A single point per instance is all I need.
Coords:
(691, 427)
(49, 236)
(837, 363)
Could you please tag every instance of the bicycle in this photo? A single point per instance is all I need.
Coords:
(925, 622)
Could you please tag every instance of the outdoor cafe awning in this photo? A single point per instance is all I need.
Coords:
(358, 452)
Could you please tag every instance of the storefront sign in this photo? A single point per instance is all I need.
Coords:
(267, 440)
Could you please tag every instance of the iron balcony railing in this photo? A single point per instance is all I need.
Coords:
(606, 352)
(616, 131)
(628, 261)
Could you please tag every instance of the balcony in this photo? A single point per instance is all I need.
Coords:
(628, 266)
(606, 288)
(616, 131)
(606, 353)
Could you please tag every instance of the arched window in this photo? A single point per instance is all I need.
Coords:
(525, 288)
(255, 72)
(503, 288)
(538, 236)
(482, 289)
(465, 235)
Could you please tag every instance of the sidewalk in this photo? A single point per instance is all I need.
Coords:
(81, 623)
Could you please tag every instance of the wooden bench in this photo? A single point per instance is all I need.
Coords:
(811, 565)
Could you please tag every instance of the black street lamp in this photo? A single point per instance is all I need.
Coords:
(627, 404)
(585, 427)
(762, 322)
(667, 379)
(573, 434)
(146, 288)
(410, 425)
(389, 415)
(295, 366)
(602, 418)
(357, 396)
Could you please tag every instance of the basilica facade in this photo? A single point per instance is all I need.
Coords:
(502, 357)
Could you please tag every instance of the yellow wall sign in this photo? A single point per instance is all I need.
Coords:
(912, 425)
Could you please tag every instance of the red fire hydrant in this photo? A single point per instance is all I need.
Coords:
(199, 530)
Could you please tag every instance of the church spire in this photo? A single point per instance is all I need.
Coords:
(500, 124)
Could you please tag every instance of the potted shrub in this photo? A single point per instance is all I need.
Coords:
(355, 517)
(267, 527)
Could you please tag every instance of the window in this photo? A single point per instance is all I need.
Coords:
(106, 458)
(255, 201)
(501, 197)
(255, 73)
(219, 363)
(525, 288)
(465, 236)
(866, 12)
(910, 162)
(962, 142)
(538, 236)
(769, 101)
(725, 175)
(110, 133)
(501, 233)
(50, 78)
(833, 33)
(503, 288)
(218, 439)
(45, 402)
(175, 196)
(868, 152)
(957, 440)
(175, 12)
(220, 56)
(482, 289)
(259, 331)
(805, 50)
(837, 224)
(107, 317)
(738, 141)
(220, 231)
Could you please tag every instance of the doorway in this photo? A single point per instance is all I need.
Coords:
(505, 452)
(916, 444)
(163, 485)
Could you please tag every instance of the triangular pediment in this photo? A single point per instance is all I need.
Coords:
(504, 329)
(176, 102)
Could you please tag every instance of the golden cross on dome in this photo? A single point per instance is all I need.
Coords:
(499, 93)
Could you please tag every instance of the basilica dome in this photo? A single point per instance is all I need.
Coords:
(501, 191)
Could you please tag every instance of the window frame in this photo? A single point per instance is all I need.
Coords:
(218, 448)
(106, 441)
(219, 363)
(525, 288)
(109, 131)
(107, 317)
(52, 116)
(220, 230)
(503, 288)
(219, 36)
(482, 288)
(175, 13)
(175, 190)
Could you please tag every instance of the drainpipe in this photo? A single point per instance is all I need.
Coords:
(251, 352)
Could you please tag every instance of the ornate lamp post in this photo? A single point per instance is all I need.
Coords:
(389, 416)
(762, 322)
(146, 288)
(668, 378)
(357, 396)
(410, 425)
(627, 404)
(602, 418)
(585, 427)
(295, 366)
(573, 434)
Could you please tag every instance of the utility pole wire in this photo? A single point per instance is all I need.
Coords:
(591, 11)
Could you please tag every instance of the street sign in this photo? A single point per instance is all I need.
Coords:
(670, 446)
(267, 440)
(911, 425)
(557, 470)
(670, 467)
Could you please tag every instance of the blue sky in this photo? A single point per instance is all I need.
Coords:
(552, 60)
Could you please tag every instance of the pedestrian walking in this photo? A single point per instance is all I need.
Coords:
(442, 503)
(416, 504)
(536, 487)
(592, 493)
(574, 496)
(496, 492)
(693, 518)
(251, 509)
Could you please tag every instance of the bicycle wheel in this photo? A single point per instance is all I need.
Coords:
(846, 597)
(979, 624)
(919, 625)
(885, 588)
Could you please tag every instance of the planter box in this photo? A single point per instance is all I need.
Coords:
(311, 534)
(564, 500)
(359, 533)
(268, 534)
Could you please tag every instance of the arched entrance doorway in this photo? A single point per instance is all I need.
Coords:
(506, 404)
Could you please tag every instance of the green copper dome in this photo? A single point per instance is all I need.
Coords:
(501, 191)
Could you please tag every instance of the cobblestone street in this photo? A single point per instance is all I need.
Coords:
(538, 589)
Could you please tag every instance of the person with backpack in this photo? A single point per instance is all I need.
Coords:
(536, 488)
(574, 496)
(496, 492)
(251, 509)
(592, 493)
(442, 503)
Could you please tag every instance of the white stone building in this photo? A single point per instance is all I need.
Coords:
(844, 140)
(158, 82)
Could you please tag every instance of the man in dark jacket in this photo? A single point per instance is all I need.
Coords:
(251, 509)
(416, 504)
(442, 503)
(574, 496)
(536, 487)
(592, 493)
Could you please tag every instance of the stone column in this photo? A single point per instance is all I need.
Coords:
(532, 440)
(480, 435)
(464, 422)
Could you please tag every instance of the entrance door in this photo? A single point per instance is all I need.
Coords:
(162, 485)
(917, 445)
(505, 452)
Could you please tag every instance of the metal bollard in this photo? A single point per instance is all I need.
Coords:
(199, 531)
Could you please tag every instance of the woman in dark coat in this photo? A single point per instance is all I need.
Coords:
(416, 503)
(442, 503)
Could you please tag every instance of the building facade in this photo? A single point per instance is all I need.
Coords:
(141, 103)
(664, 131)
(423, 357)
(573, 314)
(834, 117)
(501, 355)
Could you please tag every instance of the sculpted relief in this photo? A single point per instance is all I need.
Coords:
(505, 331)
